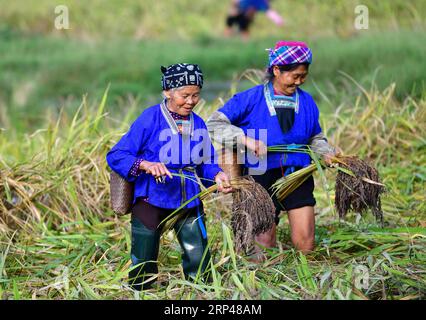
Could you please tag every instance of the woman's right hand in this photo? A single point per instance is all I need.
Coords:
(157, 169)
(257, 146)
(223, 183)
(329, 157)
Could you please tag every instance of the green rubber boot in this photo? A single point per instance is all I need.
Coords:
(195, 259)
(144, 254)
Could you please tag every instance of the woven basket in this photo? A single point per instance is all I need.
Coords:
(121, 194)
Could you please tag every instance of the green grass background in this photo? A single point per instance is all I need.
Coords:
(44, 68)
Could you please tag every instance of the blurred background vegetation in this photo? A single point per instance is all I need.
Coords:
(123, 43)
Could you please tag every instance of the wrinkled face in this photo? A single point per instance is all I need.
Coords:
(287, 81)
(182, 100)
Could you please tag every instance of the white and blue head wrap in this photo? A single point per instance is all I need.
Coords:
(181, 74)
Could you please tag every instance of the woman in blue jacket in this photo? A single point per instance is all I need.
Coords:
(278, 112)
(168, 138)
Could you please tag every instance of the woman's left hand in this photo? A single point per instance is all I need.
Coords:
(328, 158)
(223, 183)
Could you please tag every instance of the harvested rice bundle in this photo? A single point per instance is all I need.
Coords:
(360, 190)
(253, 213)
(357, 185)
(242, 227)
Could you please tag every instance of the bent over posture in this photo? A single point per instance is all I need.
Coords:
(288, 115)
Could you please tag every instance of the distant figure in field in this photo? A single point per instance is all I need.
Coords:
(242, 13)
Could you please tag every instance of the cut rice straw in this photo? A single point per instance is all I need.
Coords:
(168, 222)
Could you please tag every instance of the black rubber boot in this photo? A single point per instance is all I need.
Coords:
(194, 258)
(144, 254)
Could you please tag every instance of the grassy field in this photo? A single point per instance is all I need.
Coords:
(59, 238)
(54, 190)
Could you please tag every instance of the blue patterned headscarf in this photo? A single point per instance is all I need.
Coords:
(289, 52)
(181, 74)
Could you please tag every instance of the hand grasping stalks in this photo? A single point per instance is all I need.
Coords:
(157, 169)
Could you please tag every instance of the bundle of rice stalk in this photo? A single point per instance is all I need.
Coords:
(167, 223)
(360, 190)
(358, 186)
(286, 185)
(253, 211)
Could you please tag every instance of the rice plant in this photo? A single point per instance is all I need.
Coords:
(59, 238)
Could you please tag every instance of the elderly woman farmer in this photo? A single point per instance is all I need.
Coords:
(290, 116)
(168, 138)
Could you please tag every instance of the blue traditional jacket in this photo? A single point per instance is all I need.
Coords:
(154, 137)
(252, 110)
